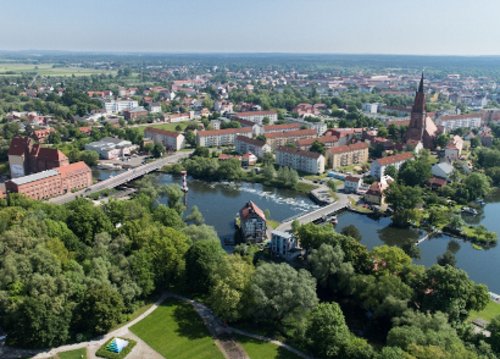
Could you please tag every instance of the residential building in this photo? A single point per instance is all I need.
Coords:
(53, 182)
(116, 106)
(26, 158)
(347, 155)
(172, 141)
(155, 108)
(376, 192)
(110, 148)
(249, 159)
(253, 223)
(305, 161)
(454, 148)
(451, 122)
(328, 141)
(225, 137)
(245, 144)
(285, 127)
(370, 107)
(135, 113)
(378, 167)
(307, 110)
(282, 243)
(422, 128)
(442, 170)
(277, 139)
(258, 116)
(42, 135)
(352, 184)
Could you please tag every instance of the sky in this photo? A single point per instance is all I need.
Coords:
(421, 27)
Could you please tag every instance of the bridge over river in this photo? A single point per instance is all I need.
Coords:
(122, 178)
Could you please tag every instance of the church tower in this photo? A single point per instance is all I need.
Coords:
(422, 128)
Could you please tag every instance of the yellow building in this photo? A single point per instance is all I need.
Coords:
(347, 155)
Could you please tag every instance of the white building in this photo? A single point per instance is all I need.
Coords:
(245, 144)
(225, 137)
(377, 168)
(258, 116)
(305, 161)
(452, 122)
(120, 105)
(352, 184)
(110, 148)
(282, 243)
(370, 107)
(172, 141)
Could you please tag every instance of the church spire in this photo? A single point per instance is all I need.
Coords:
(421, 86)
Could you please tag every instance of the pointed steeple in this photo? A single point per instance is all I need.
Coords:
(421, 86)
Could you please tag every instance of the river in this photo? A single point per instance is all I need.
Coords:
(219, 203)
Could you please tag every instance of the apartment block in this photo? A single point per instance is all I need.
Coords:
(305, 161)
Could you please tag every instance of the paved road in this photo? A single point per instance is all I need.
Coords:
(341, 203)
(122, 178)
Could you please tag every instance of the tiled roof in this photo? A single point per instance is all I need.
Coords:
(48, 154)
(250, 208)
(159, 131)
(394, 159)
(19, 146)
(323, 139)
(251, 141)
(284, 126)
(226, 131)
(298, 133)
(349, 148)
(73, 168)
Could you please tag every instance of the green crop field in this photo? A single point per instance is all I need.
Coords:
(257, 349)
(175, 330)
(17, 69)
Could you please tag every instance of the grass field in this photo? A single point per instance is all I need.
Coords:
(257, 349)
(176, 331)
(167, 126)
(13, 69)
(492, 310)
(73, 354)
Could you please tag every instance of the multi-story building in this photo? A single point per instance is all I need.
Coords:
(53, 182)
(277, 139)
(110, 148)
(116, 106)
(305, 161)
(42, 135)
(258, 116)
(352, 184)
(26, 158)
(451, 122)
(378, 167)
(225, 137)
(328, 141)
(347, 155)
(135, 113)
(286, 127)
(172, 141)
(282, 243)
(376, 192)
(245, 144)
(253, 223)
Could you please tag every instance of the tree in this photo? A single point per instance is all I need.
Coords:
(317, 147)
(416, 172)
(201, 232)
(279, 294)
(403, 200)
(352, 231)
(391, 171)
(175, 197)
(327, 333)
(158, 150)
(201, 152)
(494, 329)
(268, 172)
(195, 217)
(447, 258)
(89, 157)
(389, 259)
(477, 185)
(86, 220)
(202, 261)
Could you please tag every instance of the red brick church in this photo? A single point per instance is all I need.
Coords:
(422, 129)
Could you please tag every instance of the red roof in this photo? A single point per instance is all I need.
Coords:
(251, 208)
(48, 154)
(251, 141)
(349, 148)
(159, 131)
(19, 146)
(323, 139)
(73, 168)
(459, 117)
(298, 133)
(284, 126)
(226, 131)
(394, 159)
(352, 179)
(256, 113)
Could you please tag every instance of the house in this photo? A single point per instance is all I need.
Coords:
(352, 184)
(248, 159)
(375, 194)
(327, 141)
(155, 108)
(135, 113)
(442, 170)
(172, 141)
(285, 127)
(120, 105)
(305, 161)
(282, 243)
(110, 148)
(258, 116)
(449, 123)
(377, 168)
(245, 144)
(347, 155)
(225, 137)
(307, 110)
(253, 223)
(42, 135)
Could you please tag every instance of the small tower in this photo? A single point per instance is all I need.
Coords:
(184, 182)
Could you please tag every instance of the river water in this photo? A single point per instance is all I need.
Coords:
(219, 203)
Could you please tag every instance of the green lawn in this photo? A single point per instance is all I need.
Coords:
(257, 349)
(167, 126)
(492, 310)
(176, 331)
(73, 354)
(273, 223)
